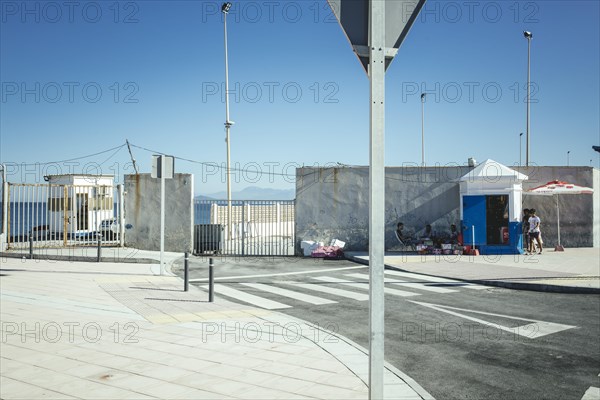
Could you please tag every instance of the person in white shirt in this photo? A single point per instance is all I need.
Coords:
(534, 231)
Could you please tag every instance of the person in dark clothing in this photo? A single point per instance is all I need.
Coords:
(526, 241)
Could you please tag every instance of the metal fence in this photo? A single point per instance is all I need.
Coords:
(244, 227)
(63, 215)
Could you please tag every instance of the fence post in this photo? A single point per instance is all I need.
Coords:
(243, 227)
(99, 248)
(186, 284)
(31, 245)
(211, 281)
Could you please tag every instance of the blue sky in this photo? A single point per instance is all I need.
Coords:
(80, 79)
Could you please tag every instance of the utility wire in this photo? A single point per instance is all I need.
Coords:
(76, 158)
(211, 164)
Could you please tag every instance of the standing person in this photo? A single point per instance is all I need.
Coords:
(534, 230)
(526, 241)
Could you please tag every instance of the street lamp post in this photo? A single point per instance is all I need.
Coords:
(423, 96)
(568, 152)
(225, 10)
(528, 35)
(520, 142)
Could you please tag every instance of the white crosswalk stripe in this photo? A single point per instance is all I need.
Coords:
(413, 285)
(365, 286)
(360, 282)
(331, 290)
(248, 298)
(290, 293)
(436, 279)
(593, 393)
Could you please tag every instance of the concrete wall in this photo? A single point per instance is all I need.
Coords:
(333, 203)
(578, 220)
(142, 212)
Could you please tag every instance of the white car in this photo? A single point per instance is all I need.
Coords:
(109, 229)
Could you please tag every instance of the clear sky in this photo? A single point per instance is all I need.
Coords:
(81, 77)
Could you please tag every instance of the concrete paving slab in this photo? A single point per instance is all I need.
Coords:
(128, 334)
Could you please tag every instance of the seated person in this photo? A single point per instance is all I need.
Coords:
(453, 239)
(428, 234)
(400, 233)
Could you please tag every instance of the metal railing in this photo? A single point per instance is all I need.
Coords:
(256, 228)
(63, 215)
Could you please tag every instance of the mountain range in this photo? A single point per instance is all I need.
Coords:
(252, 193)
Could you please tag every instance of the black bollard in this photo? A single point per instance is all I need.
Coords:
(99, 248)
(186, 281)
(31, 247)
(211, 281)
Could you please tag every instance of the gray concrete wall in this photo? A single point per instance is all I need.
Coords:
(333, 203)
(596, 207)
(578, 220)
(142, 212)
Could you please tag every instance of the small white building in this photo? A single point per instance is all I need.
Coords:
(79, 203)
(490, 208)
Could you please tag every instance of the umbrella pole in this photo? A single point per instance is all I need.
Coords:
(558, 247)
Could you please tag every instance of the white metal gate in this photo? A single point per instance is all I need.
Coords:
(64, 215)
(244, 227)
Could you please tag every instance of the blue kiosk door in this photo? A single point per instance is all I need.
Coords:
(474, 214)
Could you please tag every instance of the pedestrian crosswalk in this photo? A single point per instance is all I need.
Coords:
(330, 292)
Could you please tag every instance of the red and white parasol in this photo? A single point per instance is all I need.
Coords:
(555, 188)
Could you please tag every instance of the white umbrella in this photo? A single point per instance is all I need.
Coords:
(555, 188)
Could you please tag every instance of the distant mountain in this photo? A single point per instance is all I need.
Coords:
(253, 193)
(200, 197)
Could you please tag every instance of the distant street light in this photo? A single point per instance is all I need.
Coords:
(568, 152)
(520, 145)
(423, 96)
(225, 10)
(528, 36)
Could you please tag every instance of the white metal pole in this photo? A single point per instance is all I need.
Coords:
(376, 198)
(520, 145)
(4, 202)
(423, 95)
(121, 230)
(227, 127)
(162, 214)
(528, 97)
(557, 219)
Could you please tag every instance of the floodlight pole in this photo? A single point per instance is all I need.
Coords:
(376, 197)
(423, 96)
(4, 201)
(228, 123)
(520, 145)
(528, 36)
(162, 213)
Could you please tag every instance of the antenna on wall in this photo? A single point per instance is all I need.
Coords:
(132, 159)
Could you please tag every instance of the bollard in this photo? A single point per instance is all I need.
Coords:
(31, 247)
(186, 281)
(99, 248)
(211, 281)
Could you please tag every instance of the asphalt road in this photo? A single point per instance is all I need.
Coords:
(445, 339)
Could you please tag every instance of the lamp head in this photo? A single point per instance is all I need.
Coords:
(528, 35)
(423, 95)
(225, 7)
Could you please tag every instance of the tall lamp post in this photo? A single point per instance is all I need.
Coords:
(520, 141)
(568, 152)
(423, 96)
(225, 10)
(528, 35)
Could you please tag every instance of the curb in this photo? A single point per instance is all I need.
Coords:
(54, 257)
(418, 389)
(534, 287)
